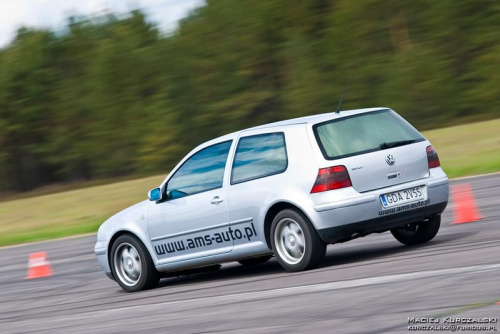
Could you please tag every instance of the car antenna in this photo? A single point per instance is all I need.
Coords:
(342, 97)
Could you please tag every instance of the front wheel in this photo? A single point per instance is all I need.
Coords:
(295, 242)
(417, 233)
(131, 265)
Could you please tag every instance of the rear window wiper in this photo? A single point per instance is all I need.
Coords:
(385, 145)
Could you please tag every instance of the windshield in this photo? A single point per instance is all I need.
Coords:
(363, 133)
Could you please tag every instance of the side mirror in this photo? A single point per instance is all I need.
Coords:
(154, 194)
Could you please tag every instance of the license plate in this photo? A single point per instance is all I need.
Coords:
(403, 196)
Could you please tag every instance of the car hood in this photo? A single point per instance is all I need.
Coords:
(133, 211)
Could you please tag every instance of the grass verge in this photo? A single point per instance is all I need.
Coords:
(463, 150)
(68, 213)
(468, 149)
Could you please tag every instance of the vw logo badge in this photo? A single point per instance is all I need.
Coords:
(389, 158)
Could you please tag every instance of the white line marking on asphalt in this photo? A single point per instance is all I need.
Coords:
(292, 291)
(74, 259)
(474, 176)
(41, 242)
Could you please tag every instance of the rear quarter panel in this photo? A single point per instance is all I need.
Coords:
(252, 199)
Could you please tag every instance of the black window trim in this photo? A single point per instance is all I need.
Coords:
(264, 175)
(164, 193)
(323, 151)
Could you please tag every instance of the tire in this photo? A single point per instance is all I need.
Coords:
(417, 233)
(255, 261)
(295, 242)
(131, 264)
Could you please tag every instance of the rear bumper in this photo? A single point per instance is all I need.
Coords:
(351, 212)
(349, 231)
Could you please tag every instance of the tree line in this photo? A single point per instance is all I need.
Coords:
(112, 96)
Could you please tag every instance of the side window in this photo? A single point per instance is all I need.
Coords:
(201, 172)
(259, 156)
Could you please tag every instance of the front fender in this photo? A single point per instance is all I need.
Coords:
(132, 220)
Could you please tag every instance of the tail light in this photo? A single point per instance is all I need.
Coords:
(331, 178)
(432, 157)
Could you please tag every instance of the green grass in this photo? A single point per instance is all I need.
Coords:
(68, 213)
(468, 149)
(463, 150)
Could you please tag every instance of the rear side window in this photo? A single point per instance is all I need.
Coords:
(259, 156)
(364, 133)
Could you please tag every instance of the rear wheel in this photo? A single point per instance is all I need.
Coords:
(131, 265)
(417, 233)
(255, 260)
(295, 242)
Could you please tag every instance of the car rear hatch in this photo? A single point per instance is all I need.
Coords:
(379, 149)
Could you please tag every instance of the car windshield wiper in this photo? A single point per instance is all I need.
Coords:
(385, 145)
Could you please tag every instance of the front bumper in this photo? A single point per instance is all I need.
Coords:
(101, 252)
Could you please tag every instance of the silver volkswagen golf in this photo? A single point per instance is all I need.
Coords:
(285, 189)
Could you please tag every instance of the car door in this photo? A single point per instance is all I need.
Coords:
(192, 219)
(257, 173)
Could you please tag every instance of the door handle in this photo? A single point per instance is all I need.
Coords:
(216, 200)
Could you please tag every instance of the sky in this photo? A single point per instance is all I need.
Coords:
(53, 14)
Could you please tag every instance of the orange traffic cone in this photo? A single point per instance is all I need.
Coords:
(465, 208)
(38, 266)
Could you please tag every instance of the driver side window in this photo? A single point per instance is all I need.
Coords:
(201, 172)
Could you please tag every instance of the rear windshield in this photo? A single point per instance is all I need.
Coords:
(364, 133)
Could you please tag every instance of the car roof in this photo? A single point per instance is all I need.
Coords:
(312, 119)
(315, 118)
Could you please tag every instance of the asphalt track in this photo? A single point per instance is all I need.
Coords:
(369, 285)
